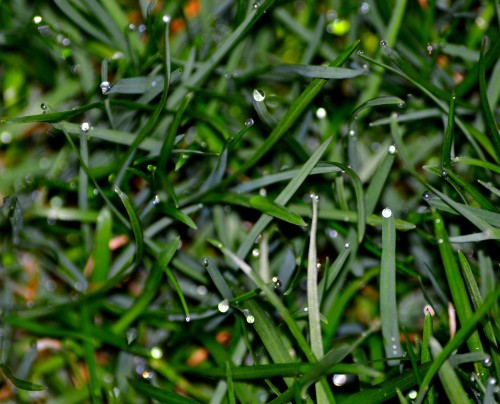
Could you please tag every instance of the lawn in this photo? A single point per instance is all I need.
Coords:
(244, 202)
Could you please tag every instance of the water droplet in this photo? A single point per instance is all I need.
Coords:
(339, 380)
(156, 200)
(188, 319)
(259, 95)
(43, 106)
(306, 309)
(262, 192)
(131, 27)
(249, 122)
(387, 213)
(85, 127)
(426, 195)
(383, 43)
(147, 375)
(487, 362)
(364, 8)
(277, 282)
(440, 241)
(444, 173)
(166, 19)
(228, 75)
(412, 395)
(256, 5)
(318, 265)
(321, 113)
(332, 233)
(347, 245)
(352, 132)
(392, 149)
(156, 353)
(154, 83)
(255, 252)
(223, 306)
(438, 221)
(314, 197)
(401, 104)
(360, 52)
(142, 28)
(429, 49)
(37, 19)
(105, 87)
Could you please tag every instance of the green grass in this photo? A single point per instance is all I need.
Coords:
(271, 201)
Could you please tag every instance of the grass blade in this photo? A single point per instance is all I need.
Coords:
(448, 135)
(19, 383)
(271, 208)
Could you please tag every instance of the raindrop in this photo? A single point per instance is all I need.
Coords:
(352, 132)
(154, 83)
(386, 213)
(347, 245)
(166, 19)
(438, 220)
(429, 49)
(156, 200)
(255, 252)
(321, 113)
(131, 27)
(259, 95)
(188, 319)
(142, 28)
(332, 233)
(249, 122)
(440, 241)
(277, 282)
(492, 381)
(364, 8)
(228, 75)
(444, 173)
(487, 362)
(256, 5)
(412, 395)
(85, 127)
(392, 149)
(401, 104)
(156, 353)
(105, 87)
(43, 106)
(360, 52)
(383, 43)
(202, 290)
(148, 375)
(223, 306)
(339, 380)
(37, 19)
(250, 319)
(426, 195)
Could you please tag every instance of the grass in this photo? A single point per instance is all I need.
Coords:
(272, 201)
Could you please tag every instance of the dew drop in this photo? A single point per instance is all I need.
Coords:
(156, 200)
(131, 27)
(223, 306)
(37, 19)
(166, 19)
(364, 8)
(392, 149)
(352, 132)
(412, 395)
(277, 282)
(487, 362)
(444, 173)
(387, 213)
(347, 245)
(492, 381)
(249, 122)
(188, 319)
(256, 5)
(43, 106)
(105, 87)
(426, 195)
(429, 49)
(85, 127)
(339, 380)
(250, 319)
(383, 43)
(321, 113)
(440, 241)
(401, 104)
(259, 95)
(318, 265)
(255, 252)
(360, 52)
(156, 353)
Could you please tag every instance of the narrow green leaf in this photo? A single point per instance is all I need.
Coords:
(54, 116)
(485, 104)
(388, 306)
(19, 383)
(375, 102)
(65, 214)
(377, 183)
(89, 354)
(217, 278)
(136, 85)
(162, 395)
(177, 214)
(448, 135)
(425, 356)
(135, 224)
(102, 253)
(271, 208)
(320, 72)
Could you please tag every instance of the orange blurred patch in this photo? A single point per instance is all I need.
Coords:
(199, 356)
(223, 337)
(192, 8)
(118, 242)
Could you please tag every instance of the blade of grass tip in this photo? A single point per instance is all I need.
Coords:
(388, 305)
(271, 208)
(291, 116)
(425, 351)
(53, 117)
(218, 280)
(150, 288)
(477, 301)
(19, 383)
(153, 118)
(312, 296)
(89, 355)
(485, 104)
(456, 285)
(275, 301)
(449, 379)
(102, 253)
(283, 198)
(448, 135)
(135, 223)
(483, 201)
(83, 184)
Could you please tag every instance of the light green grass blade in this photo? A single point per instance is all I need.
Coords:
(388, 305)
(425, 355)
(320, 72)
(271, 208)
(448, 135)
(19, 383)
(377, 183)
(102, 253)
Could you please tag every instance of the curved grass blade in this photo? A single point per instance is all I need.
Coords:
(485, 104)
(19, 383)
(291, 116)
(319, 72)
(448, 136)
(271, 208)
(53, 117)
(384, 100)
(478, 163)
(409, 117)
(177, 214)
(150, 288)
(388, 306)
(135, 224)
(162, 395)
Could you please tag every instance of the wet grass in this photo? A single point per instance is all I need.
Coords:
(228, 202)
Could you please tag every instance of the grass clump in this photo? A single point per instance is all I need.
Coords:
(235, 202)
